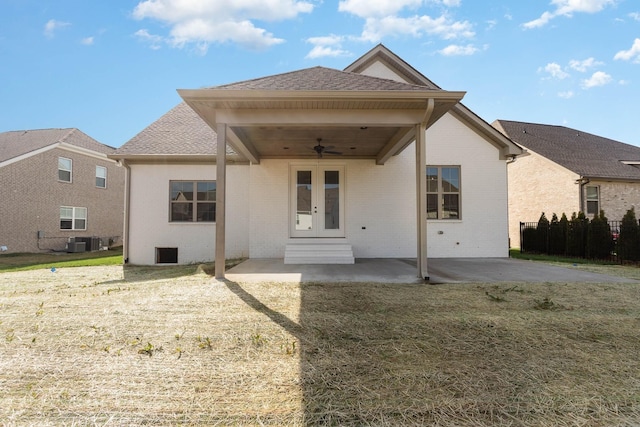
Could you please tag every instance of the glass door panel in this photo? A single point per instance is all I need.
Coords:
(331, 200)
(304, 187)
(317, 201)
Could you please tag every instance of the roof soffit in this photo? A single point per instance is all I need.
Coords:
(286, 123)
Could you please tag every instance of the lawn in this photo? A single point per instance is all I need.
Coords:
(155, 346)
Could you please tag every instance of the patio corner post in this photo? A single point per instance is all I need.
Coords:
(421, 200)
(221, 186)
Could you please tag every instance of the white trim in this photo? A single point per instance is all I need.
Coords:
(63, 146)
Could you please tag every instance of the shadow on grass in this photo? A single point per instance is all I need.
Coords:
(367, 358)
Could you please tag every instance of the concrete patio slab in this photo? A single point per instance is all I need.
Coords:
(441, 270)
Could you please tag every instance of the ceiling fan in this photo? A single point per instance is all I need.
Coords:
(321, 149)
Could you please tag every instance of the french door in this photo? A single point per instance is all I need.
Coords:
(317, 201)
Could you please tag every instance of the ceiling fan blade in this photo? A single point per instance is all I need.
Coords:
(332, 152)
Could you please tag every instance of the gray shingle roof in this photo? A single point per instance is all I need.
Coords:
(179, 132)
(17, 143)
(321, 78)
(586, 154)
(182, 132)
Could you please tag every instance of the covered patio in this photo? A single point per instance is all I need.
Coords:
(305, 114)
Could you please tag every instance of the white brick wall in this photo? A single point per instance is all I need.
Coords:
(482, 230)
(149, 212)
(382, 199)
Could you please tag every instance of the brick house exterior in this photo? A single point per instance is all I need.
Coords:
(566, 170)
(408, 170)
(42, 207)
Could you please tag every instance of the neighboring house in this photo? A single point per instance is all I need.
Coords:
(56, 184)
(565, 171)
(321, 166)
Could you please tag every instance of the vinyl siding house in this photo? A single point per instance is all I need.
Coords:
(565, 170)
(56, 184)
(320, 166)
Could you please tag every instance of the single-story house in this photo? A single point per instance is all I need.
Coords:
(318, 166)
(566, 170)
(58, 184)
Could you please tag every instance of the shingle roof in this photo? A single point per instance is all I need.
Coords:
(17, 143)
(179, 132)
(586, 154)
(321, 78)
(182, 132)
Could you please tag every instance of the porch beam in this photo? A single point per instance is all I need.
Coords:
(221, 184)
(320, 117)
(245, 149)
(401, 139)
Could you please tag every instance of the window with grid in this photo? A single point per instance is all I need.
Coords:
(72, 218)
(101, 177)
(65, 167)
(443, 192)
(593, 200)
(192, 201)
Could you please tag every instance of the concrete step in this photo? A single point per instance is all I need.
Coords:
(318, 253)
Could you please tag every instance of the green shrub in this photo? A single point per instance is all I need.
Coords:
(599, 238)
(558, 235)
(542, 240)
(577, 235)
(629, 238)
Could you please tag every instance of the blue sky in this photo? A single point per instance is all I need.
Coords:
(110, 68)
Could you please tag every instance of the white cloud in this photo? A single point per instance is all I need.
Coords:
(566, 95)
(635, 16)
(217, 21)
(88, 41)
(376, 8)
(456, 50)
(376, 29)
(154, 41)
(584, 65)
(397, 17)
(599, 78)
(556, 71)
(52, 26)
(567, 8)
(632, 54)
(327, 46)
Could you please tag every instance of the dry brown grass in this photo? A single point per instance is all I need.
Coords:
(148, 346)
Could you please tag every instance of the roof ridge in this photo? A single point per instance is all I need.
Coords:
(319, 67)
(68, 134)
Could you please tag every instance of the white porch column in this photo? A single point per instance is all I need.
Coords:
(421, 199)
(221, 186)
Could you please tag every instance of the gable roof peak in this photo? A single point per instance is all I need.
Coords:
(319, 78)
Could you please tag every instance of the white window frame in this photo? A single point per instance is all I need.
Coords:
(73, 214)
(588, 199)
(194, 202)
(61, 168)
(441, 193)
(98, 177)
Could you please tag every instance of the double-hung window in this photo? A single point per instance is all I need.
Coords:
(72, 218)
(101, 177)
(443, 192)
(593, 200)
(64, 169)
(192, 201)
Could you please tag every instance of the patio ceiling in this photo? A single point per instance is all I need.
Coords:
(265, 124)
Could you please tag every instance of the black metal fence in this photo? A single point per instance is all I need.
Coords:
(572, 239)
